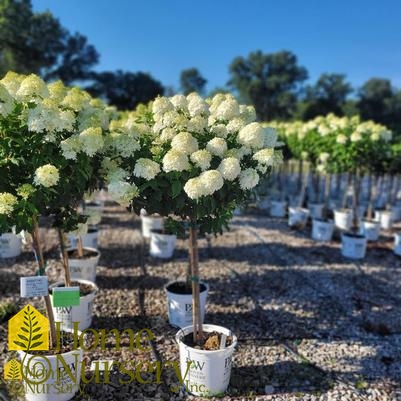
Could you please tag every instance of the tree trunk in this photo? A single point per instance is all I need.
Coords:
(305, 179)
(326, 195)
(355, 202)
(390, 192)
(41, 263)
(317, 187)
(372, 197)
(194, 258)
(300, 174)
(347, 187)
(65, 259)
(80, 247)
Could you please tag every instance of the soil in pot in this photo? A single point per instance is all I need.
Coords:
(73, 254)
(354, 235)
(210, 342)
(84, 289)
(181, 287)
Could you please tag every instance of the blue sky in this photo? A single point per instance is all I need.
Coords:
(360, 38)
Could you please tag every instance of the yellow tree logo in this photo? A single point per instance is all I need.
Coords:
(28, 330)
(12, 370)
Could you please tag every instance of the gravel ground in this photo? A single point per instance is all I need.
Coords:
(311, 324)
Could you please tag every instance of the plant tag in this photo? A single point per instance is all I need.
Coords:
(34, 286)
(101, 365)
(66, 296)
(223, 341)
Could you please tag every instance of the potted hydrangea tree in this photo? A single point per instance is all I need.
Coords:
(357, 144)
(196, 159)
(49, 135)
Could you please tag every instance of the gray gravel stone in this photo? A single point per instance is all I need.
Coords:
(312, 324)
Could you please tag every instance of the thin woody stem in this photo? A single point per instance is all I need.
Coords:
(194, 257)
(41, 263)
(65, 258)
(80, 247)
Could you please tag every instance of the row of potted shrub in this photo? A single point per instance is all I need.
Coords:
(186, 158)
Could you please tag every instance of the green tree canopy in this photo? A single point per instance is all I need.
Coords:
(191, 80)
(327, 95)
(380, 102)
(125, 90)
(268, 81)
(37, 43)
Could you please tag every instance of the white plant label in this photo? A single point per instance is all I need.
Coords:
(34, 286)
(101, 365)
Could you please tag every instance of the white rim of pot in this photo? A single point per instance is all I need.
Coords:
(85, 249)
(353, 235)
(207, 328)
(183, 281)
(79, 280)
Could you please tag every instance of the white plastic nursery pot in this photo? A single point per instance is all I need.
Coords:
(334, 204)
(353, 245)
(297, 217)
(396, 213)
(316, 210)
(371, 229)
(397, 244)
(278, 208)
(94, 207)
(322, 230)
(89, 240)
(210, 371)
(179, 304)
(10, 245)
(84, 268)
(361, 211)
(386, 219)
(54, 384)
(162, 245)
(343, 219)
(81, 313)
(151, 223)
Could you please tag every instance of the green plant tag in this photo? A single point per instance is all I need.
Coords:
(66, 296)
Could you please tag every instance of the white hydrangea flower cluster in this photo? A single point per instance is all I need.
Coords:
(7, 203)
(91, 140)
(217, 137)
(339, 143)
(67, 116)
(6, 102)
(249, 178)
(123, 137)
(184, 142)
(122, 192)
(202, 159)
(230, 168)
(47, 176)
(32, 88)
(52, 124)
(174, 160)
(146, 168)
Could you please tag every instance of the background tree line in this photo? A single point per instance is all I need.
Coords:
(274, 83)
